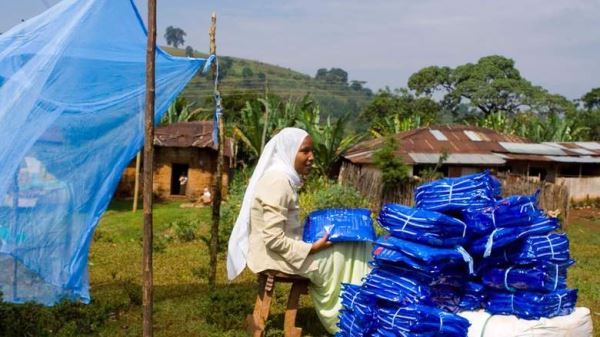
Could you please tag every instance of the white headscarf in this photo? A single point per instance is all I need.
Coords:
(278, 155)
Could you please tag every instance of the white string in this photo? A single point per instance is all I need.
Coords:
(353, 298)
(450, 193)
(550, 244)
(506, 286)
(352, 325)
(556, 277)
(559, 302)
(489, 244)
(512, 302)
(408, 218)
(394, 317)
(441, 322)
(468, 259)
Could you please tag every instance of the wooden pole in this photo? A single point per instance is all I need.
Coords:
(218, 183)
(147, 298)
(136, 185)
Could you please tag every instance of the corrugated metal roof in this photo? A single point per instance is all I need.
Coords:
(462, 145)
(570, 159)
(439, 135)
(589, 145)
(189, 134)
(532, 148)
(458, 158)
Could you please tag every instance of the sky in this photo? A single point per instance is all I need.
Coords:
(555, 43)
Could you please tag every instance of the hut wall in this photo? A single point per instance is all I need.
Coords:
(201, 167)
(581, 188)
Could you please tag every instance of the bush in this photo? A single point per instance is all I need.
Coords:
(321, 193)
(65, 319)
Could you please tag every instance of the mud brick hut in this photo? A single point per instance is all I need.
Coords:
(181, 149)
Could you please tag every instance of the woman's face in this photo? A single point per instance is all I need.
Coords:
(304, 157)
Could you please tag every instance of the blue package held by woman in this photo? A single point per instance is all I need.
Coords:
(422, 226)
(531, 305)
(454, 194)
(541, 277)
(501, 237)
(343, 224)
(423, 255)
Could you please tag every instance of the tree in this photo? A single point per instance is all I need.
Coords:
(174, 36)
(389, 109)
(591, 100)
(332, 76)
(393, 169)
(181, 111)
(492, 84)
(189, 51)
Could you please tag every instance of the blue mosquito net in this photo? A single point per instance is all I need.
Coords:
(72, 88)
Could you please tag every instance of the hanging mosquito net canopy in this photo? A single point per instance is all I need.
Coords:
(72, 88)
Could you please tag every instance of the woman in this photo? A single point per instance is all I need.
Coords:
(268, 233)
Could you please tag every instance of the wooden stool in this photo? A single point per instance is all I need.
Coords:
(255, 323)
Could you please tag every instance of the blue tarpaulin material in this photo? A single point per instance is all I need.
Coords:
(72, 89)
(531, 305)
(342, 224)
(428, 227)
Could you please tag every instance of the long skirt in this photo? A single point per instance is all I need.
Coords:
(343, 262)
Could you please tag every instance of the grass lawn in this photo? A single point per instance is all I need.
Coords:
(183, 303)
(185, 306)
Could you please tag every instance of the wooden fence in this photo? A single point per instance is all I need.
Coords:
(367, 180)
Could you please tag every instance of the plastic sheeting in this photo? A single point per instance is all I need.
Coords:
(390, 287)
(422, 226)
(530, 305)
(418, 256)
(343, 224)
(504, 236)
(72, 88)
(454, 194)
(422, 319)
(517, 210)
(544, 277)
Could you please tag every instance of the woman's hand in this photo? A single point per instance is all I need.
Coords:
(321, 244)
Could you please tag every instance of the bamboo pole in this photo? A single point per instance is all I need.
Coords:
(136, 185)
(148, 170)
(218, 183)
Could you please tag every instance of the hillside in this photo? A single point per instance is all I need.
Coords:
(242, 79)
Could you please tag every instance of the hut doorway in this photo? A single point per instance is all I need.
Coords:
(179, 178)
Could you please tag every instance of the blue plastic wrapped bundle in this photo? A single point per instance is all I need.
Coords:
(502, 237)
(417, 319)
(420, 257)
(352, 325)
(550, 247)
(473, 296)
(446, 297)
(422, 226)
(357, 302)
(518, 210)
(530, 305)
(393, 288)
(541, 277)
(455, 194)
(343, 224)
